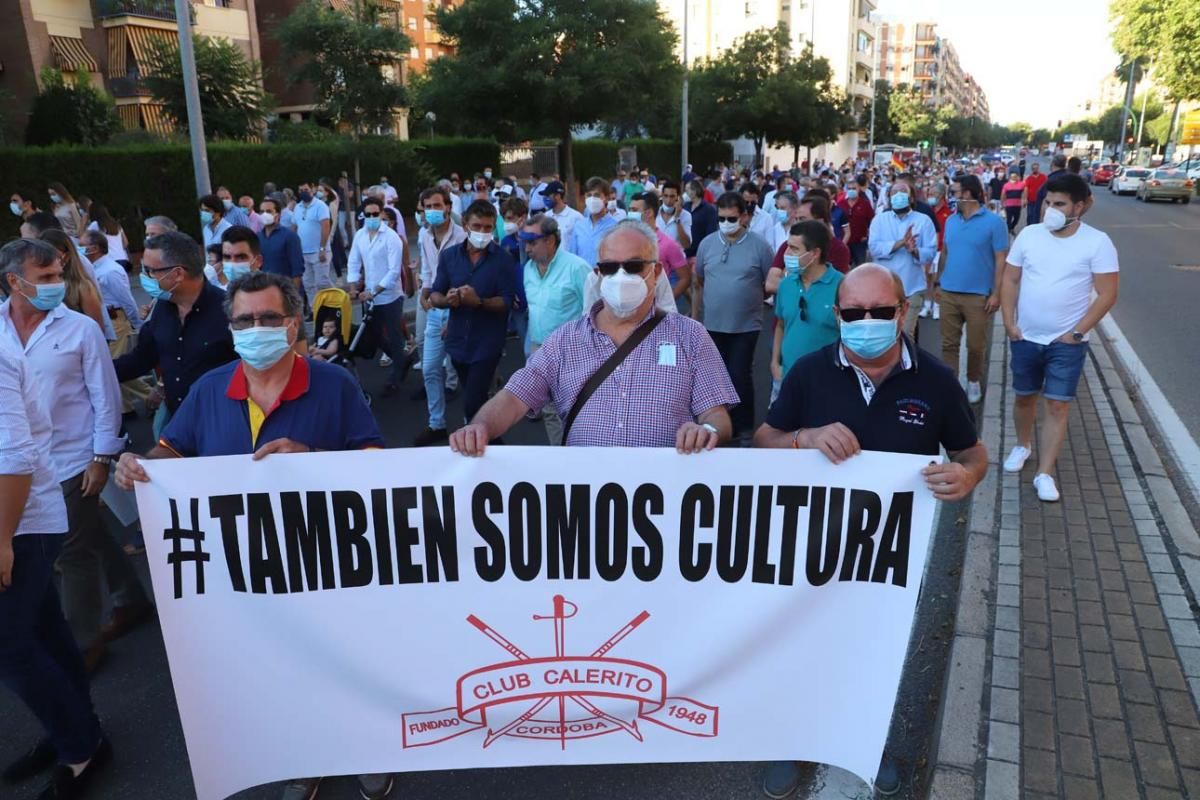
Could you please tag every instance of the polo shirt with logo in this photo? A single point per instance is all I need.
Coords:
(320, 407)
(917, 408)
(818, 326)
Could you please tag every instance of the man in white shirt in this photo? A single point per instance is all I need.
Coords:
(761, 222)
(1052, 270)
(441, 233)
(558, 210)
(121, 308)
(786, 208)
(68, 354)
(39, 659)
(212, 220)
(904, 241)
(40, 221)
(537, 200)
(389, 192)
(311, 221)
(673, 219)
(376, 258)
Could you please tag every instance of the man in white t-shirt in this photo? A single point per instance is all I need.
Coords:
(312, 223)
(1052, 270)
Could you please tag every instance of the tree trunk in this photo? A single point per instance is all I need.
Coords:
(566, 165)
(358, 187)
(796, 154)
(758, 148)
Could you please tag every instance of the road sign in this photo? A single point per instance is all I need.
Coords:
(1191, 128)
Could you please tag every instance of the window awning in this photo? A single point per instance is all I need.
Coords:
(143, 41)
(71, 55)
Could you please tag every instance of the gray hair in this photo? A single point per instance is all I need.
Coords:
(162, 222)
(18, 252)
(179, 250)
(631, 226)
(546, 225)
(95, 237)
(259, 281)
(790, 197)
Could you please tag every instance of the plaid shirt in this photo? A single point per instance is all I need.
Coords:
(645, 400)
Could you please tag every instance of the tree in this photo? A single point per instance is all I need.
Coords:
(800, 106)
(231, 94)
(70, 112)
(1166, 32)
(885, 131)
(911, 117)
(534, 68)
(352, 61)
(1039, 137)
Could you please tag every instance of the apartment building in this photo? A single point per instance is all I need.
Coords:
(913, 54)
(110, 40)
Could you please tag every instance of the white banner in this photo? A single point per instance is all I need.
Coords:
(400, 610)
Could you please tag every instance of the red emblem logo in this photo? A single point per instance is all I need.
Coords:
(561, 697)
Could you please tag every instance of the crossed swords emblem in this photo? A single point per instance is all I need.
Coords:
(559, 618)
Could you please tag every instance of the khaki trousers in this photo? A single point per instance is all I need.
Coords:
(959, 310)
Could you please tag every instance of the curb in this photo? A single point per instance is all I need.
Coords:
(960, 725)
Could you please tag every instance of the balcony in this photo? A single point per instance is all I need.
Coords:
(129, 86)
(151, 9)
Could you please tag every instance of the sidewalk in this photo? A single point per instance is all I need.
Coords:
(1075, 668)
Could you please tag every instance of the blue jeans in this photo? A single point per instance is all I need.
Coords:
(433, 370)
(38, 657)
(1052, 369)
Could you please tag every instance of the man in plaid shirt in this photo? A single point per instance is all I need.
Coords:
(672, 391)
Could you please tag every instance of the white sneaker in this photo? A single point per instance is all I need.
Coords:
(1047, 491)
(937, 310)
(926, 308)
(974, 392)
(1017, 458)
(385, 361)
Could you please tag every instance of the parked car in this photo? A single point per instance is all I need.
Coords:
(1166, 184)
(1127, 179)
(1102, 174)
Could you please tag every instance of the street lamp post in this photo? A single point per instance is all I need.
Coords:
(191, 93)
(683, 133)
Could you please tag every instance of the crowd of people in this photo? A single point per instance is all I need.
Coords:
(637, 304)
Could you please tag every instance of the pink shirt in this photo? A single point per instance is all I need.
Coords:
(670, 254)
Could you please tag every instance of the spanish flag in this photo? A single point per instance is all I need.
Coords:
(897, 164)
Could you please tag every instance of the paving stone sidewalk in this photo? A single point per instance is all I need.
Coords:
(1075, 671)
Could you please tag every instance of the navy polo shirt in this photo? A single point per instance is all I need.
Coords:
(914, 410)
(320, 407)
(281, 252)
(476, 334)
(182, 350)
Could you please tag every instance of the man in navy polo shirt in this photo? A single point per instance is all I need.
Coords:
(874, 390)
(476, 280)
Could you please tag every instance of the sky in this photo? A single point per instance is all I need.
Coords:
(1005, 45)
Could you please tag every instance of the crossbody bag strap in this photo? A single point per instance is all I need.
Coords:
(599, 376)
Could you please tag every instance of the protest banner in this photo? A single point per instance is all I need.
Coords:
(400, 610)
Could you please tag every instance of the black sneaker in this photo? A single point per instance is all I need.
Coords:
(40, 758)
(430, 436)
(66, 785)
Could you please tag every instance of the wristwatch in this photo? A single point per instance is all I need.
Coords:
(1077, 336)
(708, 426)
(105, 460)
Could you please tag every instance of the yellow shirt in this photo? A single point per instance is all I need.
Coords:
(257, 417)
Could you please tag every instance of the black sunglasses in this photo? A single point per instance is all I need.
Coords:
(728, 219)
(633, 266)
(880, 312)
(803, 309)
(370, 215)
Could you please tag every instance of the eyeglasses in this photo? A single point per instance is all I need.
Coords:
(633, 266)
(879, 312)
(803, 309)
(150, 272)
(371, 214)
(268, 320)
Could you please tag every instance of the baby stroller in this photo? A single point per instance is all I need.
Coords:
(334, 304)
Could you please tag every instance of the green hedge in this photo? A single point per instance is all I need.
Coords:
(139, 181)
(594, 157)
(660, 156)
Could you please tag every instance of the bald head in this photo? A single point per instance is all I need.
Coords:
(870, 285)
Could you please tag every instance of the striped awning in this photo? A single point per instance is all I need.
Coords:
(142, 41)
(156, 120)
(118, 47)
(71, 55)
(131, 118)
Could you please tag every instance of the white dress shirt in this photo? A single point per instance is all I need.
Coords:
(681, 218)
(78, 384)
(888, 228)
(105, 322)
(114, 289)
(25, 444)
(431, 250)
(381, 258)
(763, 224)
(566, 220)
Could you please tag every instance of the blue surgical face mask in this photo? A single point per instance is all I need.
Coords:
(791, 265)
(435, 216)
(153, 287)
(262, 348)
(869, 338)
(781, 215)
(372, 223)
(852, 194)
(81, 250)
(15, 208)
(900, 201)
(304, 197)
(233, 270)
(49, 295)
(55, 198)
(206, 217)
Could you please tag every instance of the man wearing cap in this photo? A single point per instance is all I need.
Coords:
(559, 211)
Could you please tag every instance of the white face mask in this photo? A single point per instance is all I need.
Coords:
(594, 205)
(729, 228)
(268, 219)
(623, 293)
(1055, 220)
(479, 239)
(612, 205)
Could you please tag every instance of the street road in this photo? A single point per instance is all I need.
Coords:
(135, 697)
(1159, 246)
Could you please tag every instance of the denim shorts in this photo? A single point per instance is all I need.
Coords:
(1052, 369)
